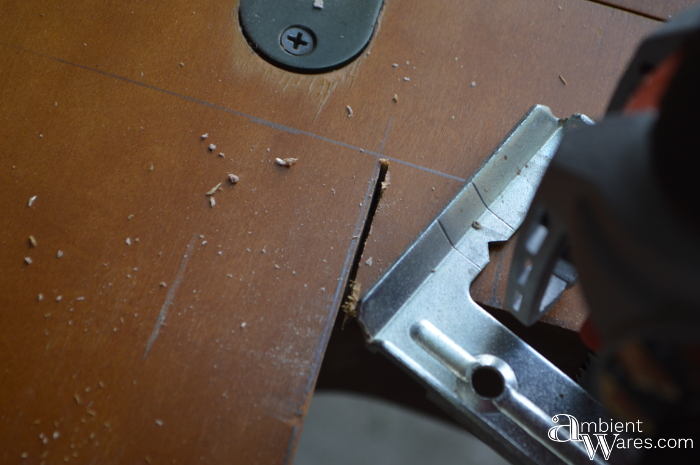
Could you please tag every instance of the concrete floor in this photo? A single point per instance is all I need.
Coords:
(345, 429)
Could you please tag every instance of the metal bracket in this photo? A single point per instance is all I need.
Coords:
(421, 315)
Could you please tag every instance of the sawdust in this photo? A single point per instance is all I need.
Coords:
(286, 162)
(349, 307)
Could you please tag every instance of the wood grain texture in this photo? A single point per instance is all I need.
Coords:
(95, 93)
(245, 290)
(661, 9)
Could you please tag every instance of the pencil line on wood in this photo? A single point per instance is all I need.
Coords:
(251, 118)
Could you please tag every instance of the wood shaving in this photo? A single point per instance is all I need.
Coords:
(347, 107)
(286, 161)
(318, 4)
(222, 155)
(162, 284)
(395, 98)
(395, 65)
(212, 147)
(349, 307)
(28, 260)
(32, 241)
(213, 190)
(212, 201)
(31, 201)
(562, 79)
(406, 79)
(181, 64)
(151, 168)
(233, 179)
(130, 217)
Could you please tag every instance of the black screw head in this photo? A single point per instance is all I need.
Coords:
(298, 40)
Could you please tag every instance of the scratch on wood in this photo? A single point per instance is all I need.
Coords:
(170, 297)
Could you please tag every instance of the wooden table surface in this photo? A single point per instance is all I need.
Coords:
(148, 326)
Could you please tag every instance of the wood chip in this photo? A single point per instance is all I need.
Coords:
(159, 422)
(28, 260)
(204, 136)
(350, 305)
(182, 64)
(395, 65)
(562, 79)
(40, 297)
(59, 254)
(212, 201)
(368, 262)
(406, 79)
(222, 155)
(318, 4)
(212, 147)
(128, 241)
(286, 161)
(476, 225)
(213, 190)
(347, 107)
(162, 284)
(31, 201)
(233, 179)
(130, 217)
(32, 241)
(395, 98)
(473, 84)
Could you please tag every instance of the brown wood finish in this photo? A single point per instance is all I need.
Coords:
(246, 287)
(661, 9)
(97, 93)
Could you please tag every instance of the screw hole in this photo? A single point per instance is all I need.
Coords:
(488, 382)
